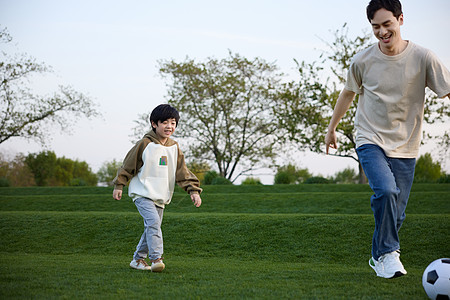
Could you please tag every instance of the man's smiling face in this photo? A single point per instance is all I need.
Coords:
(386, 28)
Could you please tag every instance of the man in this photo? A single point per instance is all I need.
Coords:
(390, 78)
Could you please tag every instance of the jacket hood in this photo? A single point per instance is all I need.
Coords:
(151, 135)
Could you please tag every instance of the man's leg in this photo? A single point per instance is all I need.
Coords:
(403, 169)
(378, 170)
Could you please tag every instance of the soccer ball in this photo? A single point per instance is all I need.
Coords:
(436, 279)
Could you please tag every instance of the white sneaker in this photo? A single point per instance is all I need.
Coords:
(157, 265)
(140, 264)
(388, 265)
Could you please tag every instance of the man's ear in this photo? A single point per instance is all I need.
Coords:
(154, 125)
(400, 19)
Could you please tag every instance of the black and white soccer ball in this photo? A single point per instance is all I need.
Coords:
(436, 279)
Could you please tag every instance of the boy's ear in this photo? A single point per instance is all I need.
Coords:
(154, 124)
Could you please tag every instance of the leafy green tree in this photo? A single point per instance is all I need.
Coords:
(290, 174)
(427, 170)
(30, 116)
(63, 173)
(108, 172)
(348, 175)
(307, 103)
(83, 175)
(42, 165)
(226, 107)
(53, 171)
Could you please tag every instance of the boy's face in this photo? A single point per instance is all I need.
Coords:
(165, 129)
(386, 28)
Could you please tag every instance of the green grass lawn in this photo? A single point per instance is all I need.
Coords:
(284, 241)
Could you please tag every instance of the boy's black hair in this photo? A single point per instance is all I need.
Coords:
(164, 112)
(393, 6)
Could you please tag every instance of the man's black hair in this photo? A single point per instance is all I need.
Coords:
(393, 6)
(164, 112)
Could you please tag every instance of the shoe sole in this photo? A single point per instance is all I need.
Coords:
(140, 269)
(396, 274)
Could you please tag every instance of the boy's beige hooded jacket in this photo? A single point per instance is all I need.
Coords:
(153, 169)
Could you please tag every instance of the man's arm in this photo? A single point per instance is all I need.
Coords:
(342, 105)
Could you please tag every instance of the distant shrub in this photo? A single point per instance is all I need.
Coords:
(199, 168)
(348, 175)
(251, 181)
(220, 181)
(444, 179)
(290, 174)
(209, 177)
(283, 178)
(78, 182)
(316, 179)
(4, 182)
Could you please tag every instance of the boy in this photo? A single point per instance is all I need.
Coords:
(154, 164)
(390, 78)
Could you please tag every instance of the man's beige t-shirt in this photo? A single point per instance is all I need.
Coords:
(392, 93)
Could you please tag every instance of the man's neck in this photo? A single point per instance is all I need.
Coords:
(395, 49)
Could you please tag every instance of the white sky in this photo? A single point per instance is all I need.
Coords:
(109, 51)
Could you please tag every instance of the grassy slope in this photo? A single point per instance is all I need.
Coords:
(256, 242)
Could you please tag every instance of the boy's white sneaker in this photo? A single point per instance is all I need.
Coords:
(388, 265)
(157, 265)
(140, 264)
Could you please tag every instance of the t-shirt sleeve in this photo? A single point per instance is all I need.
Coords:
(438, 76)
(354, 79)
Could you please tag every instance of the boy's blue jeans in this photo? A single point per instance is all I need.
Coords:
(391, 180)
(151, 242)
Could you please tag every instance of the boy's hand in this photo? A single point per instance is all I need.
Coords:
(196, 199)
(117, 194)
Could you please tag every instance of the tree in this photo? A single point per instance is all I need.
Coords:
(42, 165)
(14, 172)
(108, 172)
(30, 116)
(83, 175)
(49, 170)
(307, 104)
(427, 170)
(226, 107)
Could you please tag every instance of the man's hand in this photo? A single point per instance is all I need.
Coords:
(196, 199)
(117, 194)
(330, 140)
(343, 103)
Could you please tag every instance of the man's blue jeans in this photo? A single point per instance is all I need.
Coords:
(151, 242)
(391, 180)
